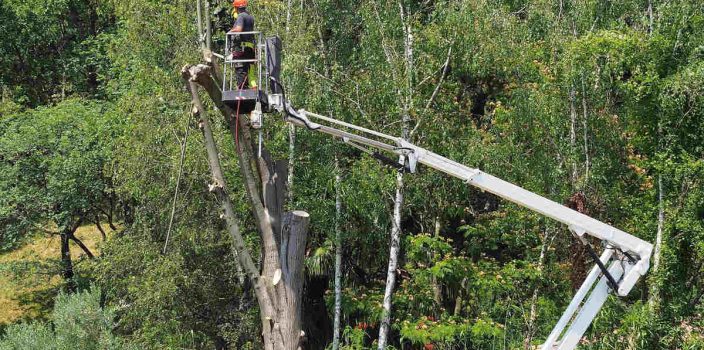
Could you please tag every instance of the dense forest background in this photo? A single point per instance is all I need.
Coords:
(598, 105)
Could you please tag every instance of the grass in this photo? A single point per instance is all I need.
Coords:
(30, 275)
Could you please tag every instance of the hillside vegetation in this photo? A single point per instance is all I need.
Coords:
(595, 104)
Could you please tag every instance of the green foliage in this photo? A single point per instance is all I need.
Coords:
(190, 296)
(353, 338)
(589, 97)
(53, 49)
(53, 167)
(77, 322)
(451, 333)
(28, 336)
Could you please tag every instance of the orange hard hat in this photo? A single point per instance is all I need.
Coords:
(239, 3)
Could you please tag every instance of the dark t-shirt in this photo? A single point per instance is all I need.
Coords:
(246, 21)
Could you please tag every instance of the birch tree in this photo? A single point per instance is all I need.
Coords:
(403, 86)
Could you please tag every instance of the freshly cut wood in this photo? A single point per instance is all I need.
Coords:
(277, 277)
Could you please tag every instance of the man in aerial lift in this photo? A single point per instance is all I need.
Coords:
(243, 47)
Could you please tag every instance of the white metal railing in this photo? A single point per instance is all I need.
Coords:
(229, 82)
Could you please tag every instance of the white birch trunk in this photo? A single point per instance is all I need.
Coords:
(437, 288)
(200, 25)
(393, 263)
(291, 127)
(406, 104)
(534, 299)
(585, 125)
(208, 26)
(573, 136)
(291, 161)
(288, 17)
(182, 158)
(338, 257)
(654, 299)
(650, 17)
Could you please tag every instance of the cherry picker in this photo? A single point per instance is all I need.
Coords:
(622, 262)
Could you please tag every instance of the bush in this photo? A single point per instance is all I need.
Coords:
(78, 322)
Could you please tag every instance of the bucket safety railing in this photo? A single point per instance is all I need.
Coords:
(229, 82)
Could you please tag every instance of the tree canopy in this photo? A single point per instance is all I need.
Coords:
(594, 104)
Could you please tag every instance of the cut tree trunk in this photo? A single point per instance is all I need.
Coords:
(295, 231)
(279, 287)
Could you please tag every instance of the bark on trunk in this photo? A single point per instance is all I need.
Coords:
(288, 17)
(393, 263)
(650, 17)
(577, 250)
(66, 262)
(585, 134)
(338, 257)
(573, 137)
(437, 288)
(291, 160)
(109, 214)
(295, 230)
(100, 228)
(182, 158)
(208, 26)
(220, 189)
(201, 37)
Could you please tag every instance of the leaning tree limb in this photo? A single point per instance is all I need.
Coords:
(283, 236)
(81, 245)
(219, 188)
(100, 228)
(240, 131)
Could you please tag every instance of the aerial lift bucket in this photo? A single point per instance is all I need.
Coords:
(266, 63)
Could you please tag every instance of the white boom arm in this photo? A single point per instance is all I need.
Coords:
(626, 257)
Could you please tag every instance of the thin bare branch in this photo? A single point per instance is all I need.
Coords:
(176, 190)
